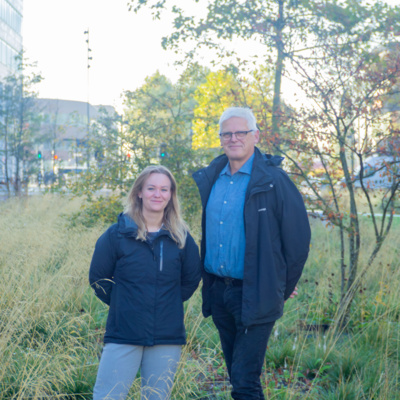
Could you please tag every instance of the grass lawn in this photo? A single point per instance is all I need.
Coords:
(51, 324)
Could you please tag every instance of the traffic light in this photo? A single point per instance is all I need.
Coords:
(55, 157)
(39, 155)
(163, 151)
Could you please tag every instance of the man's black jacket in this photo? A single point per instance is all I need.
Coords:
(277, 237)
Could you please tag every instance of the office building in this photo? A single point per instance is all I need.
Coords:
(10, 35)
(65, 125)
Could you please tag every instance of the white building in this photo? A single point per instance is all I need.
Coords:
(10, 48)
(10, 35)
(66, 129)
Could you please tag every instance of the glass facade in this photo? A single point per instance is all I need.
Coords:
(10, 15)
(10, 47)
(7, 55)
(10, 35)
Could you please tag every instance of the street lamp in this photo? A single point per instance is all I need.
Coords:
(89, 58)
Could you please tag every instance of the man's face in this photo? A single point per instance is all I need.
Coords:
(238, 149)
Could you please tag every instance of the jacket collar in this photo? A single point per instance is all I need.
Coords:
(127, 226)
(260, 174)
(206, 177)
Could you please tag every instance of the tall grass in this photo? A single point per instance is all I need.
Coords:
(48, 333)
(51, 325)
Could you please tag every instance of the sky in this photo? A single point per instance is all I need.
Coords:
(125, 48)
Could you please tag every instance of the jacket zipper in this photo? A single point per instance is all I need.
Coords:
(161, 255)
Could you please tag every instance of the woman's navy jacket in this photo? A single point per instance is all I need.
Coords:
(145, 284)
(277, 235)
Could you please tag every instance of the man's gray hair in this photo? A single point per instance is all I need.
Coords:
(240, 112)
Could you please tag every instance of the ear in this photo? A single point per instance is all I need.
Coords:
(256, 136)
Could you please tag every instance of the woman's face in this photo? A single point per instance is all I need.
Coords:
(156, 193)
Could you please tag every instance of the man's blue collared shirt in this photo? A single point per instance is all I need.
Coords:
(225, 233)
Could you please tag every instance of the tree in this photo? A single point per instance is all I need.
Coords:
(19, 124)
(111, 167)
(212, 97)
(260, 20)
(342, 127)
(330, 45)
(230, 87)
(161, 113)
(52, 130)
(289, 27)
(157, 116)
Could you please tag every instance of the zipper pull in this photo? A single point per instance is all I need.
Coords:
(161, 255)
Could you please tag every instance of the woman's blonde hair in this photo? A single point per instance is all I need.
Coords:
(172, 220)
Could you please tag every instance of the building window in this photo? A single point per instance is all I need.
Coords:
(8, 55)
(10, 16)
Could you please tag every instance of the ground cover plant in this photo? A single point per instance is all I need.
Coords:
(51, 324)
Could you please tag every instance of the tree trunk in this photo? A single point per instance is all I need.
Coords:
(350, 289)
(7, 175)
(342, 263)
(276, 105)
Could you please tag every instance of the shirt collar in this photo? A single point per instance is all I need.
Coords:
(245, 169)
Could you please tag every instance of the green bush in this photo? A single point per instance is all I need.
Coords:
(102, 210)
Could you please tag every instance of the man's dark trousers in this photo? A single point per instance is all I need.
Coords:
(244, 347)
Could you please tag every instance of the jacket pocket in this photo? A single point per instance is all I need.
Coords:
(113, 318)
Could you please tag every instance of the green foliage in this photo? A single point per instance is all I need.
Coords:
(234, 86)
(213, 96)
(112, 168)
(160, 114)
(291, 29)
(228, 19)
(347, 126)
(281, 354)
(157, 115)
(99, 211)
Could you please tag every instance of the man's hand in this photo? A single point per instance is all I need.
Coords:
(294, 293)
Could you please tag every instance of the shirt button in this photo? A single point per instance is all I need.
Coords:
(231, 182)
(221, 222)
(271, 185)
(220, 245)
(225, 202)
(222, 266)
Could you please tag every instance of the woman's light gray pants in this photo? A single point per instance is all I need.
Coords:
(120, 363)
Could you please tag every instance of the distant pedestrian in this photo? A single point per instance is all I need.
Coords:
(144, 267)
(255, 243)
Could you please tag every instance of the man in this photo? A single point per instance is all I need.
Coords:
(255, 243)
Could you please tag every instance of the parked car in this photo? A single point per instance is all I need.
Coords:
(379, 172)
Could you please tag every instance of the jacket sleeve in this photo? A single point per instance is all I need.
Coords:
(191, 268)
(295, 231)
(102, 266)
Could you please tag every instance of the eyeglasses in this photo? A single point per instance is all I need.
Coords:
(225, 136)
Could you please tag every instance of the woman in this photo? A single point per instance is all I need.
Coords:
(144, 267)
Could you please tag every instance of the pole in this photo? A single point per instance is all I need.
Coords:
(89, 58)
